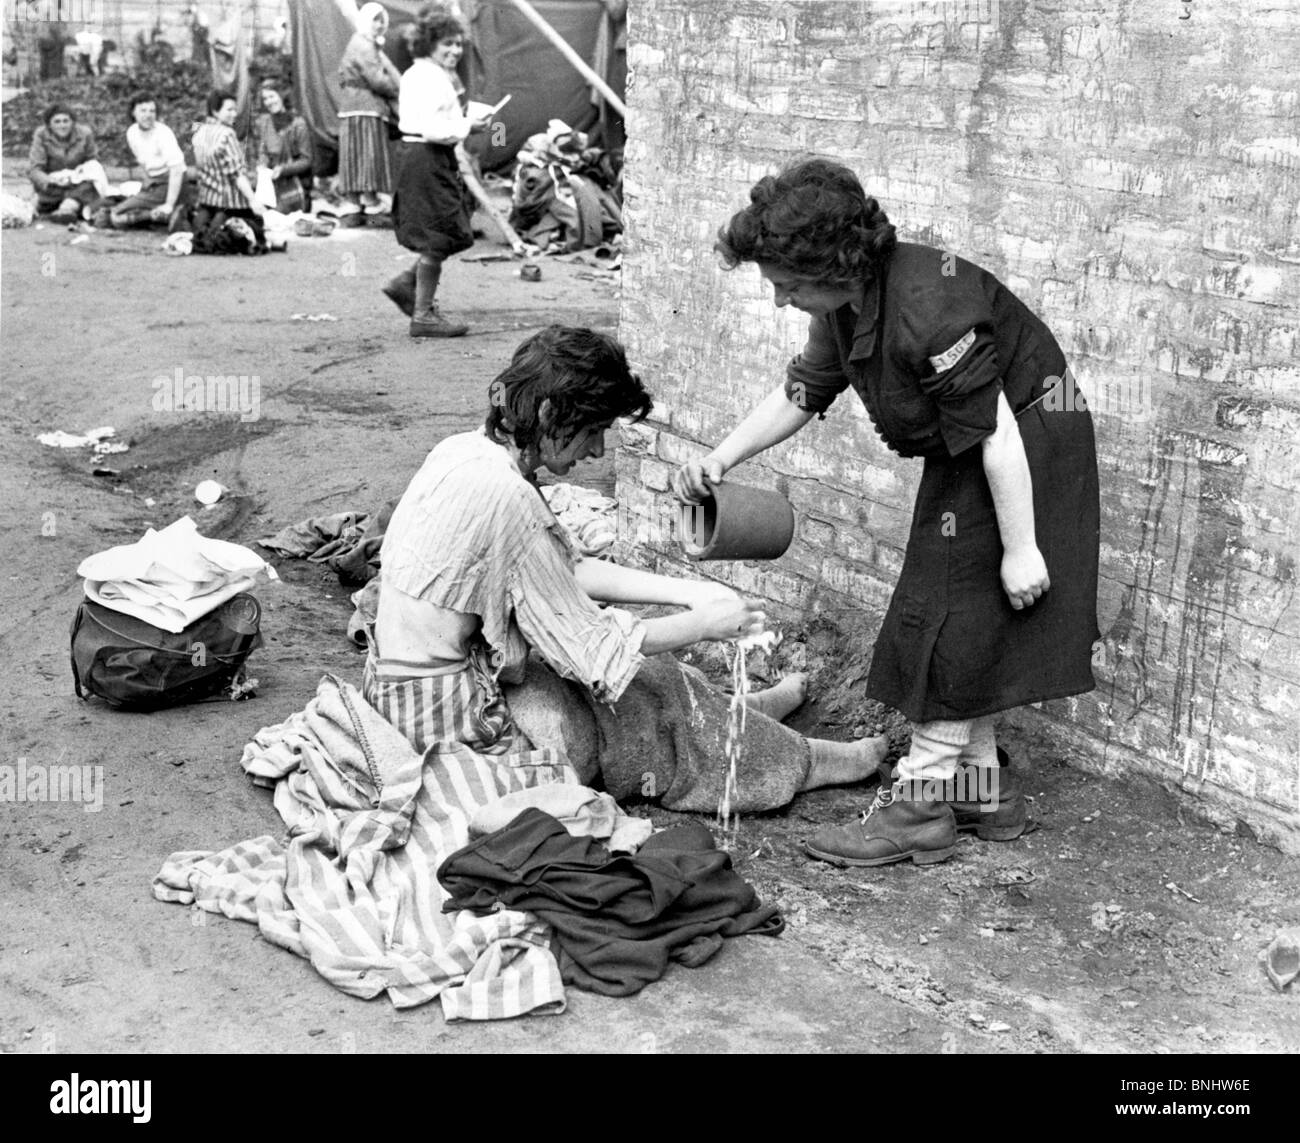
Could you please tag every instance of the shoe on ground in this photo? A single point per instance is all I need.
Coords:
(1007, 820)
(431, 323)
(900, 825)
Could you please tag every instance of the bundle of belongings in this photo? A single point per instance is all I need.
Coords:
(168, 619)
(566, 195)
(484, 881)
(348, 543)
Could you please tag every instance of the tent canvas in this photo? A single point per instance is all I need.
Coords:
(504, 55)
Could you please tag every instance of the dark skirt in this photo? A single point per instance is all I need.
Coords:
(364, 167)
(951, 646)
(431, 211)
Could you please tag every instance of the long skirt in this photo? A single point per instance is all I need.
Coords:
(431, 211)
(364, 167)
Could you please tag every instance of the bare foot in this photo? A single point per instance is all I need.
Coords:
(842, 763)
(782, 700)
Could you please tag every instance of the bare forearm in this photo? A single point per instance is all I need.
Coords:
(175, 179)
(672, 632)
(1010, 482)
(246, 189)
(608, 582)
(775, 419)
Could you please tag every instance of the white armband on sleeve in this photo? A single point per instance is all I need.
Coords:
(950, 356)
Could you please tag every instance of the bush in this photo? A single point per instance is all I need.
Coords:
(100, 102)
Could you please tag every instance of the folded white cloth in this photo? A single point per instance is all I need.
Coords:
(173, 577)
(582, 811)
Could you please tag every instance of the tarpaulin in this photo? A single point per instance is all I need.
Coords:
(504, 55)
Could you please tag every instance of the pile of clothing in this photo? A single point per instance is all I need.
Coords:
(171, 579)
(567, 195)
(484, 881)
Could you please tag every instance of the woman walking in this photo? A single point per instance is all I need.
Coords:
(430, 209)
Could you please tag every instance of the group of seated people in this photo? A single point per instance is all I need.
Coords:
(71, 184)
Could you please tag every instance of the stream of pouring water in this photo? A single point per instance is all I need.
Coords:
(728, 818)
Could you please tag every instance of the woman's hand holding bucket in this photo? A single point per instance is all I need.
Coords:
(694, 481)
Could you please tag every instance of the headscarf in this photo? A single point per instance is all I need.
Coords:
(365, 18)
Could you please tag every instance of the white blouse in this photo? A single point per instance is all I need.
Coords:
(427, 105)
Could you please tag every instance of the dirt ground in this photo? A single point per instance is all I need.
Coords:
(1120, 923)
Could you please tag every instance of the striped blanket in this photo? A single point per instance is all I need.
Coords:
(354, 888)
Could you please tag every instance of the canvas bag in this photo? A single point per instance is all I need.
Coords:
(134, 665)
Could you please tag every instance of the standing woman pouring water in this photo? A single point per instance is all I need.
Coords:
(995, 606)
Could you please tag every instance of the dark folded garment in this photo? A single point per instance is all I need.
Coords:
(618, 919)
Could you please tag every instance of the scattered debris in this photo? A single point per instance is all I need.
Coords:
(1282, 958)
(60, 439)
(209, 492)
(530, 272)
(1173, 888)
(312, 317)
(999, 1026)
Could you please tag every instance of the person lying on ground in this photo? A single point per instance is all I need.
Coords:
(65, 167)
(996, 602)
(478, 576)
(282, 144)
(155, 150)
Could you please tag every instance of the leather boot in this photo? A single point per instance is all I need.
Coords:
(1006, 821)
(427, 321)
(431, 323)
(902, 823)
(401, 291)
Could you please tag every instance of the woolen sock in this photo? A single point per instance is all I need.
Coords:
(982, 749)
(936, 747)
(781, 700)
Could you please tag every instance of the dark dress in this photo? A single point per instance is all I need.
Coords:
(430, 209)
(936, 340)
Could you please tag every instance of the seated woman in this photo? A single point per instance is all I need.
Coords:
(225, 193)
(282, 144)
(477, 572)
(65, 167)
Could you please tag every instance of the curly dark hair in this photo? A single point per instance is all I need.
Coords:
(216, 100)
(138, 98)
(813, 219)
(433, 24)
(58, 109)
(584, 373)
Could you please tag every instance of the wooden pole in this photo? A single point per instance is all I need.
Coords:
(584, 68)
(489, 207)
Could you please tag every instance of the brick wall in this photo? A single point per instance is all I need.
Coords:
(1135, 177)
